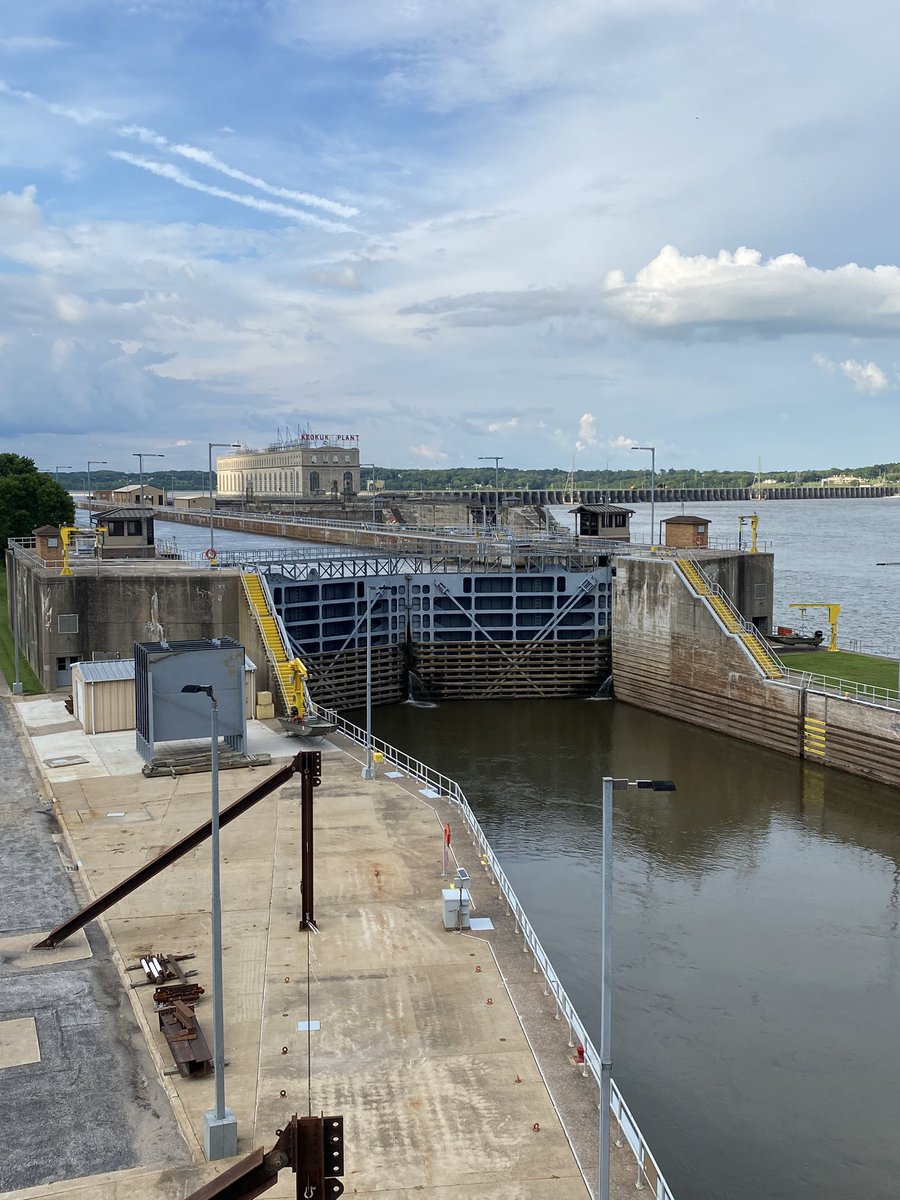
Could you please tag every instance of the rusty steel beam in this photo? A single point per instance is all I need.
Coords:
(171, 855)
(313, 1147)
(310, 777)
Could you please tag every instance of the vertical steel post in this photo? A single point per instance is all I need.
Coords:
(218, 1005)
(310, 777)
(606, 989)
(17, 685)
(212, 542)
(368, 771)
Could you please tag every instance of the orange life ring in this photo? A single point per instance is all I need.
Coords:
(210, 553)
(698, 540)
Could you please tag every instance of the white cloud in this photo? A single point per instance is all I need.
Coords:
(741, 293)
(500, 426)
(620, 443)
(471, 51)
(865, 377)
(30, 45)
(429, 453)
(587, 432)
(729, 296)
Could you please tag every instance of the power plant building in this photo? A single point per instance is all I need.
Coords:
(310, 466)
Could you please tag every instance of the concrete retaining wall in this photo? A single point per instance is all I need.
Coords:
(671, 656)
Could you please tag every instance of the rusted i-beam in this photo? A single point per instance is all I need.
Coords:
(167, 857)
(310, 777)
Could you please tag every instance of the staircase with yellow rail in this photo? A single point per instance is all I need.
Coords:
(281, 661)
(728, 616)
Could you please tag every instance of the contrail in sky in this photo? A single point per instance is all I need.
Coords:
(176, 175)
(95, 117)
(206, 159)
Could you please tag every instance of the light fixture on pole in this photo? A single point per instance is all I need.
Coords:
(496, 459)
(93, 462)
(609, 786)
(372, 595)
(372, 466)
(140, 455)
(224, 446)
(219, 1126)
(652, 450)
(62, 468)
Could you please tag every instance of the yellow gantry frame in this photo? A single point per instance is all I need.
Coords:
(296, 695)
(834, 611)
(754, 523)
(68, 532)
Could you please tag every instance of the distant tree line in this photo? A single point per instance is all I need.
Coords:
(409, 479)
(555, 478)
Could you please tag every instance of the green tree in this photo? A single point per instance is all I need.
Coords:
(29, 498)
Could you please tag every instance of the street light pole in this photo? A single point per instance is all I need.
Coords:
(609, 786)
(496, 459)
(372, 595)
(62, 468)
(93, 462)
(219, 1126)
(140, 455)
(652, 450)
(216, 445)
(372, 465)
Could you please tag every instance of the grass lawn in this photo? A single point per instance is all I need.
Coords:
(858, 668)
(29, 680)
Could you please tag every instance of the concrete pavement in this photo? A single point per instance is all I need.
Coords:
(420, 1044)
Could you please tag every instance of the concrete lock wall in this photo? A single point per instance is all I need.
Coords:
(671, 656)
(79, 615)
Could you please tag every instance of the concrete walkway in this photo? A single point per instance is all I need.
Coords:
(419, 1044)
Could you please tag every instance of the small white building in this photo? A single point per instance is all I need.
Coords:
(103, 694)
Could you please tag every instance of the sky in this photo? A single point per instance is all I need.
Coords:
(457, 228)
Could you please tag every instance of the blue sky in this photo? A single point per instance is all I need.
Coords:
(454, 227)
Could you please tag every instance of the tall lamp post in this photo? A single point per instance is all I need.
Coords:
(219, 1126)
(216, 446)
(652, 450)
(62, 468)
(611, 785)
(140, 455)
(372, 466)
(93, 462)
(496, 459)
(372, 595)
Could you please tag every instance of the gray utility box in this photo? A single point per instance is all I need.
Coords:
(456, 905)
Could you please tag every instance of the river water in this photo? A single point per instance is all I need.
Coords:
(756, 937)
(756, 910)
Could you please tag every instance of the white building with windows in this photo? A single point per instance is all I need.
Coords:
(312, 466)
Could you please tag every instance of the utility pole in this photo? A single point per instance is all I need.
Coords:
(93, 462)
(496, 459)
(652, 450)
(140, 455)
(224, 446)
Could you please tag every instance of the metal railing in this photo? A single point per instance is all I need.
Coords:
(442, 785)
(746, 627)
(847, 689)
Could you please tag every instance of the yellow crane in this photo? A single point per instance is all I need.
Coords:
(68, 533)
(754, 523)
(834, 611)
